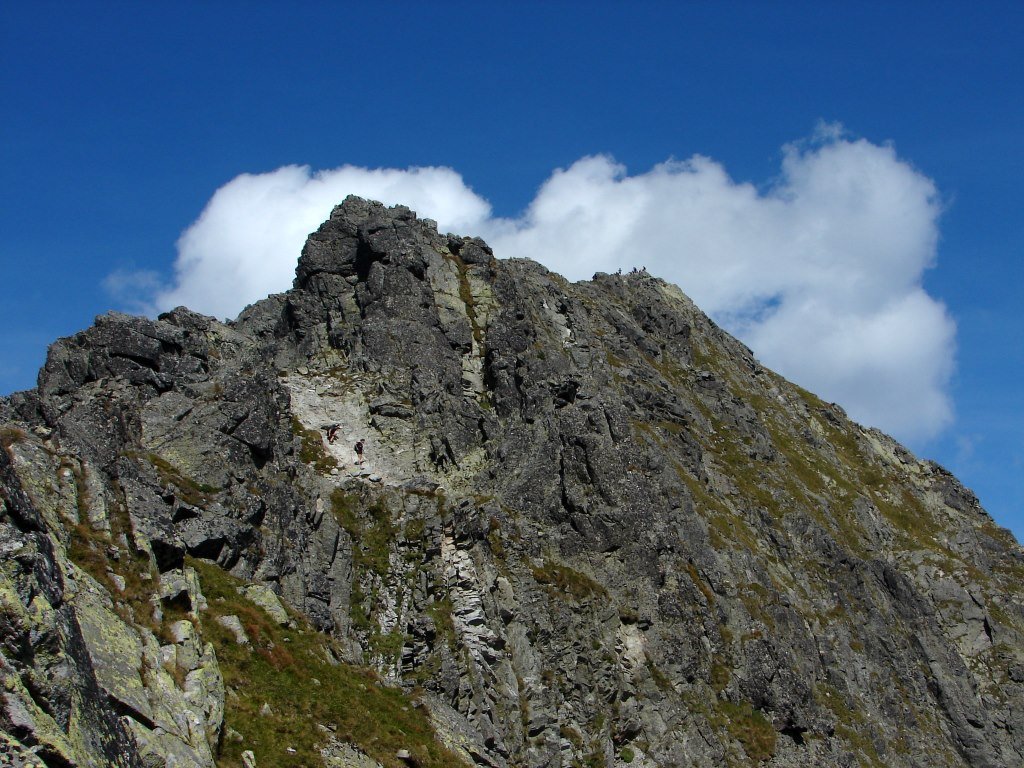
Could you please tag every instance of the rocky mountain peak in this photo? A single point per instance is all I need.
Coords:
(586, 527)
(360, 233)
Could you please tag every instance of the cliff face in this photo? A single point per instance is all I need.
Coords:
(589, 529)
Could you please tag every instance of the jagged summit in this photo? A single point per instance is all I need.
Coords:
(588, 529)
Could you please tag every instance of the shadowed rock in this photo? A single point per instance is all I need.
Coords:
(588, 527)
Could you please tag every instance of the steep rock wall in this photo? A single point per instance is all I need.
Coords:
(589, 529)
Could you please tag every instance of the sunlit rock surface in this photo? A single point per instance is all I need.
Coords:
(588, 528)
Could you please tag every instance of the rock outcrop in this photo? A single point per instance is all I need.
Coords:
(587, 528)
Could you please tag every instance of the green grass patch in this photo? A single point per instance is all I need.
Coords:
(494, 538)
(571, 735)
(725, 525)
(720, 676)
(615, 361)
(373, 535)
(850, 723)
(699, 583)
(100, 554)
(563, 580)
(311, 448)
(370, 528)
(357, 608)
(11, 435)
(388, 644)
(466, 294)
(750, 728)
(191, 492)
(661, 680)
(440, 611)
(90, 549)
(278, 670)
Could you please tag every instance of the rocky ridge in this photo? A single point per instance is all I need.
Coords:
(591, 529)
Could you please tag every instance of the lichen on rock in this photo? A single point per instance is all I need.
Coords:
(587, 528)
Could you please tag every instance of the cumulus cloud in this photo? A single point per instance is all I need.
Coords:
(820, 272)
(247, 240)
(133, 288)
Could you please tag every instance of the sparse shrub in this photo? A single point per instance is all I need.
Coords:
(277, 671)
(370, 529)
(660, 678)
(571, 735)
(440, 611)
(751, 729)
(11, 435)
(720, 675)
(494, 538)
(311, 449)
(90, 550)
(388, 644)
(191, 492)
(567, 581)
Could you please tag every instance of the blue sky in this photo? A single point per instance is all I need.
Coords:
(121, 121)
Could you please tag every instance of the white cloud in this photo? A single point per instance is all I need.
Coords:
(247, 240)
(820, 273)
(133, 288)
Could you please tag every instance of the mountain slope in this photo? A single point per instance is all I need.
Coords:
(590, 529)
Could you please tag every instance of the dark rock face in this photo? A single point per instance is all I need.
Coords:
(589, 528)
(50, 686)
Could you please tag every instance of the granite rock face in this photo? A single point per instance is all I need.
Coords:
(587, 528)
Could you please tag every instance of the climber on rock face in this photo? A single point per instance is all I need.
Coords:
(359, 452)
(332, 432)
